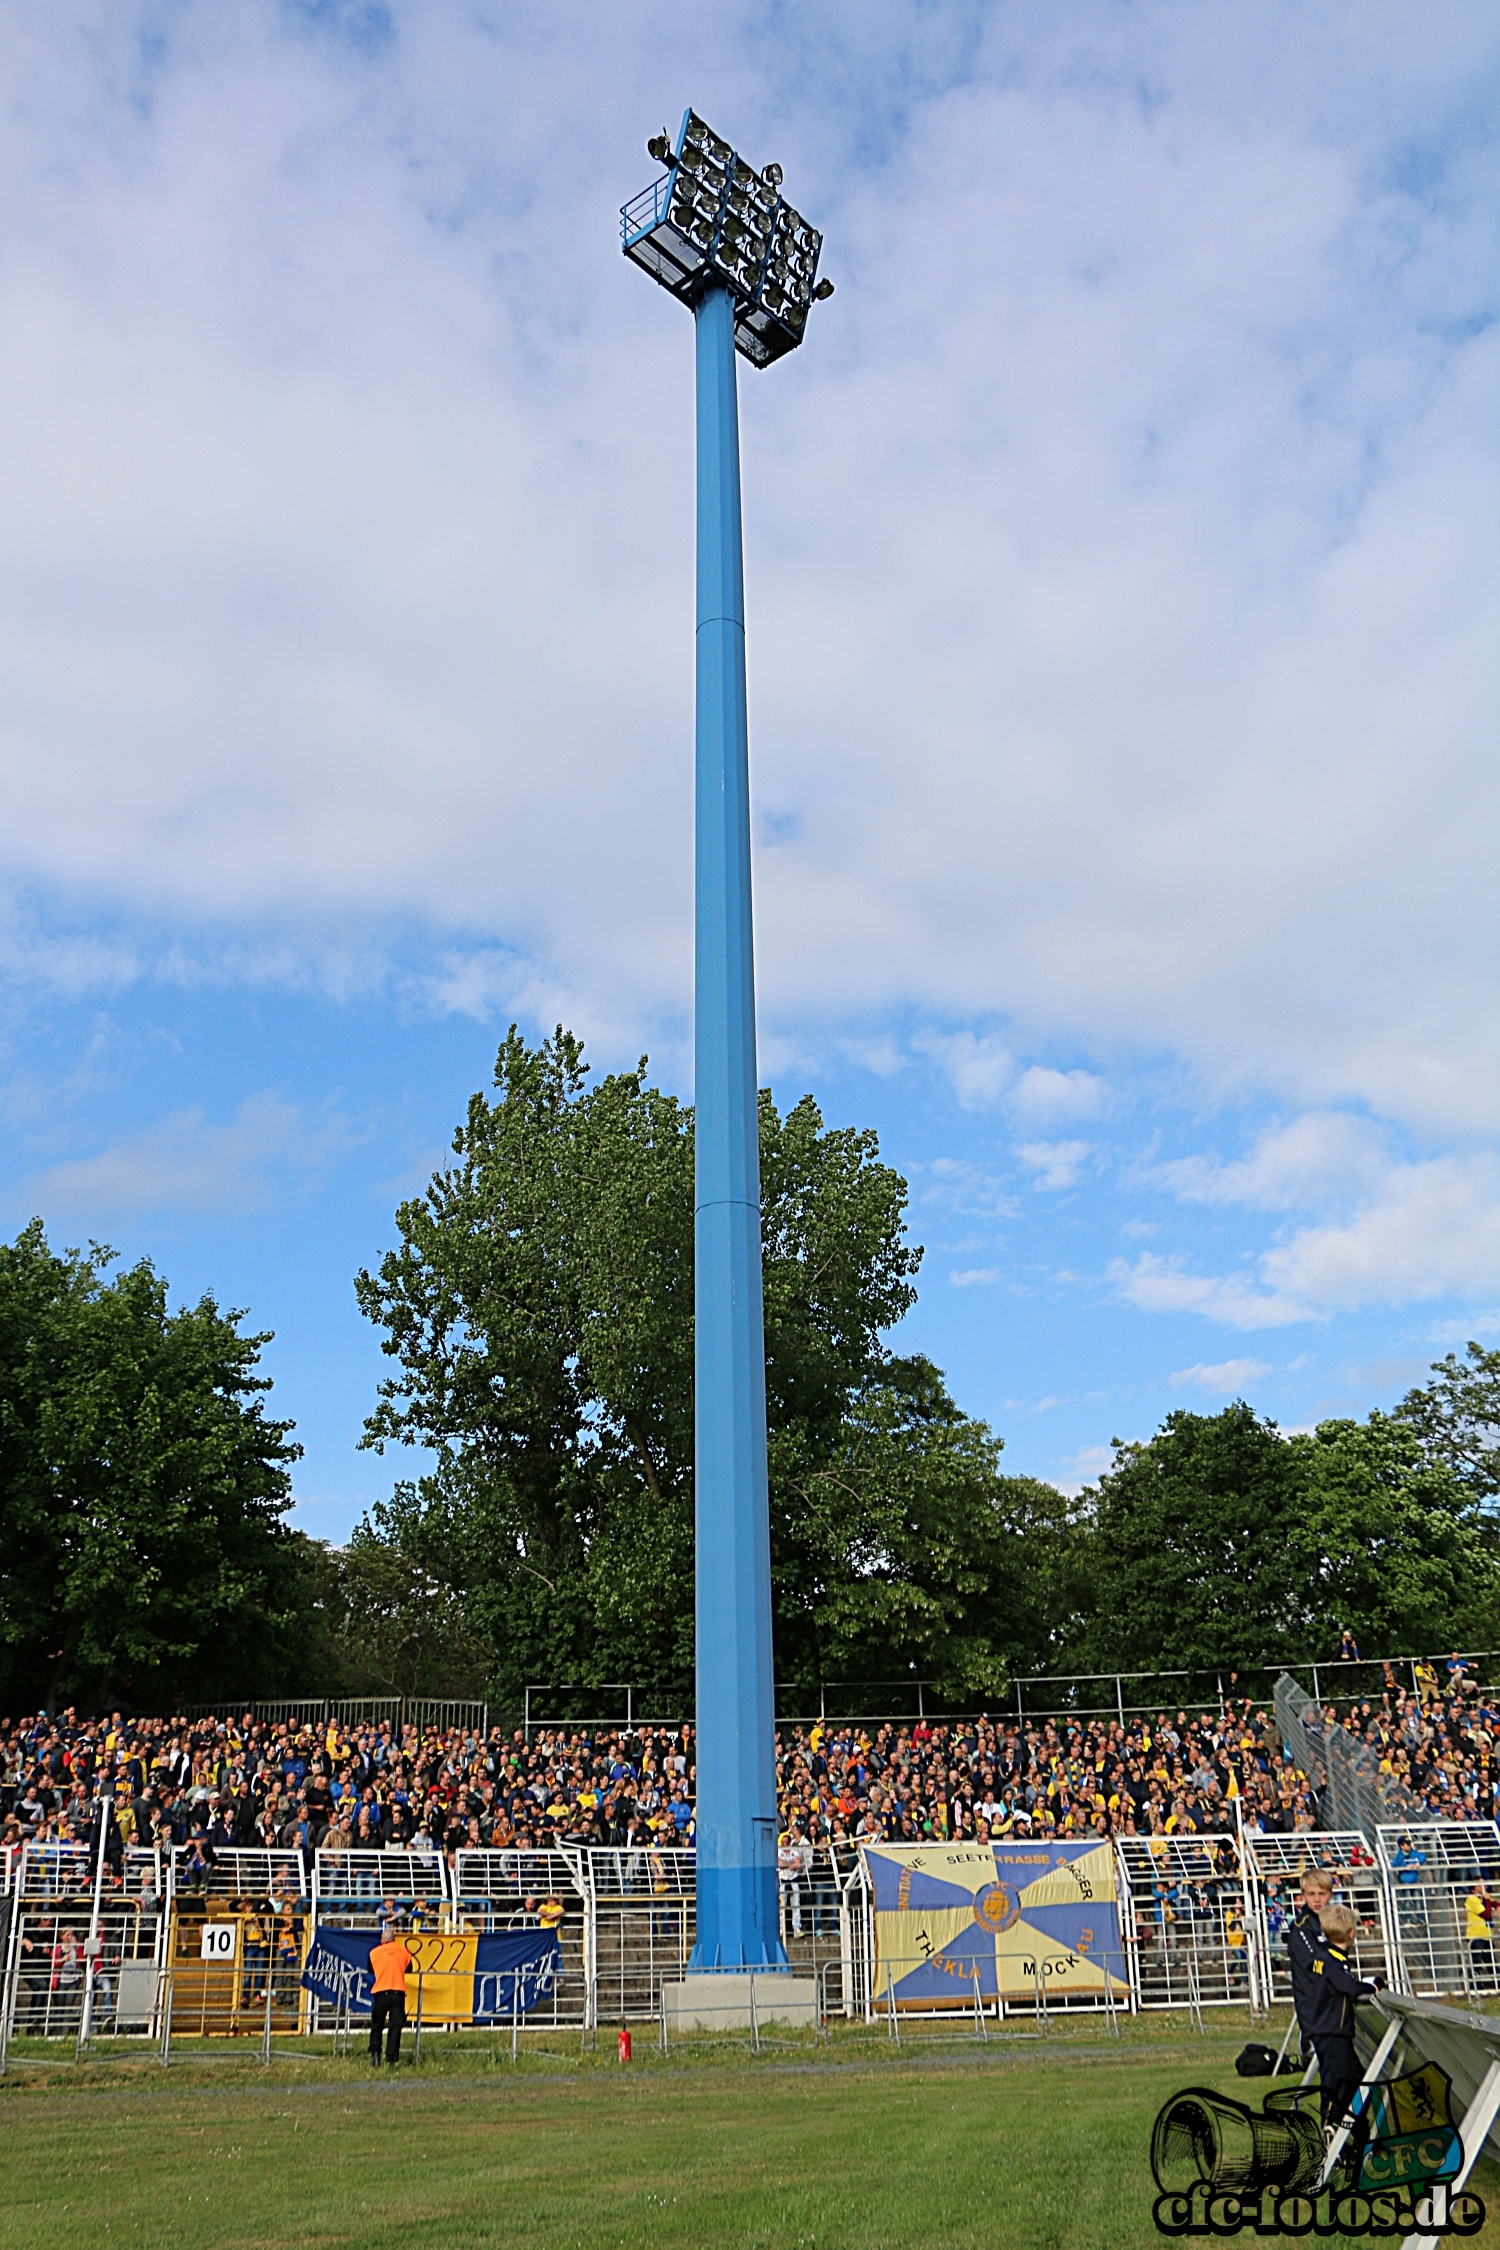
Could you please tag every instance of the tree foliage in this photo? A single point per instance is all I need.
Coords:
(539, 1307)
(142, 1487)
(1222, 1542)
(1456, 1417)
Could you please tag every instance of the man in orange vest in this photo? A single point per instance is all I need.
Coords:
(389, 1962)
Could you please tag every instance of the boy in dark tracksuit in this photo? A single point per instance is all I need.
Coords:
(1304, 1943)
(1334, 1991)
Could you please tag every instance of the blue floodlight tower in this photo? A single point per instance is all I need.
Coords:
(719, 236)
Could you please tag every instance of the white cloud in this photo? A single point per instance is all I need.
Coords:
(1318, 1158)
(1058, 1097)
(1056, 1164)
(347, 477)
(1164, 1285)
(1085, 1467)
(967, 1189)
(1432, 1230)
(1230, 1376)
(979, 1067)
(882, 1056)
(975, 1277)
(188, 1162)
(1475, 1325)
(65, 963)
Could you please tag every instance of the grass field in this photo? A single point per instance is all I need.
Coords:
(1021, 2145)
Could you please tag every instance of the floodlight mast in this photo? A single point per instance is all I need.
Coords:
(721, 238)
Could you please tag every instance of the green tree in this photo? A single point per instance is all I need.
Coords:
(1456, 1418)
(1398, 1546)
(909, 1541)
(1197, 1549)
(539, 1307)
(372, 1622)
(1221, 1542)
(142, 1487)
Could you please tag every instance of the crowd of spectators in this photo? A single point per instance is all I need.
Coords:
(1436, 1737)
(205, 1784)
(210, 1783)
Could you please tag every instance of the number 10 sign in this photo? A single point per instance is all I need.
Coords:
(217, 1942)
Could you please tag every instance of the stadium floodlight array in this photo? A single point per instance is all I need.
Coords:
(716, 218)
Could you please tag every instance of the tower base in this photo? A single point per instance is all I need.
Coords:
(721, 2002)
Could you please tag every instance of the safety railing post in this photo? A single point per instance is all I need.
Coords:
(754, 2019)
(890, 1996)
(1195, 1993)
(166, 2007)
(9, 1979)
(92, 1947)
(981, 2027)
(515, 2015)
(417, 2039)
(265, 2035)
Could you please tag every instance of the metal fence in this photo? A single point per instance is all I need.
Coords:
(1186, 1918)
(352, 1711)
(1432, 1868)
(1275, 1866)
(137, 1951)
(1352, 1790)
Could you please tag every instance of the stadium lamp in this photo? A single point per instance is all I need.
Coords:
(715, 219)
(719, 235)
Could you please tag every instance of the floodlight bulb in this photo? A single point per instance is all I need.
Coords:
(823, 291)
(659, 146)
(773, 175)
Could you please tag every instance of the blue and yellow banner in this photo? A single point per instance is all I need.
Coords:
(464, 1979)
(1006, 1914)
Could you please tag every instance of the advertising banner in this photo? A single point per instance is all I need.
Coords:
(1004, 1913)
(465, 1979)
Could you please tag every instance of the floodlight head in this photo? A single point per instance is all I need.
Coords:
(714, 220)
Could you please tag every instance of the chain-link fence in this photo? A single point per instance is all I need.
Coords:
(1345, 1772)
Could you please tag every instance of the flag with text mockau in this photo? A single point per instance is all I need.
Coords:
(1007, 1915)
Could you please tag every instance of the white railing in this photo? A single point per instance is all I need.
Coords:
(390, 1880)
(1276, 1864)
(54, 1871)
(1186, 1921)
(1431, 1870)
(241, 1871)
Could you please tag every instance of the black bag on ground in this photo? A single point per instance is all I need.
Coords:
(1256, 2061)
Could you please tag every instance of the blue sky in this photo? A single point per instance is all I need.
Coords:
(1122, 582)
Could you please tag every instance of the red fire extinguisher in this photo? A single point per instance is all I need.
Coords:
(624, 2046)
